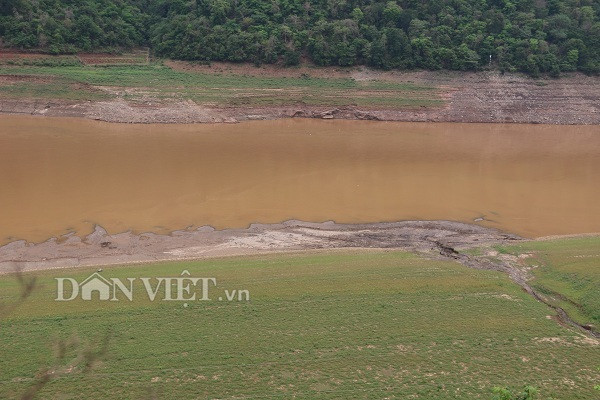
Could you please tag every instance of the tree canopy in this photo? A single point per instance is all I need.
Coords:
(532, 36)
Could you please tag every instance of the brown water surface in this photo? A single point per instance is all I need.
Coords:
(60, 175)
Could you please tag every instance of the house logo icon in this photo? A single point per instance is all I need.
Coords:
(95, 283)
(94, 287)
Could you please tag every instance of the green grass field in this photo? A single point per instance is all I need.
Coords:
(346, 325)
(162, 83)
(567, 271)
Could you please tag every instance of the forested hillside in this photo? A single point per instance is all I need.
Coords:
(533, 36)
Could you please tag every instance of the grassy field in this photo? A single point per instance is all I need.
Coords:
(162, 83)
(567, 272)
(346, 325)
(56, 89)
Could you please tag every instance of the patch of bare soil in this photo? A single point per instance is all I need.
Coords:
(153, 112)
(21, 55)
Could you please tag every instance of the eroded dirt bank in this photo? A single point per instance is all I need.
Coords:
(466, 97)
(102, 248)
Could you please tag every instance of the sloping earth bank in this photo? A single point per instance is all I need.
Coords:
(468, 97)
(102, 248)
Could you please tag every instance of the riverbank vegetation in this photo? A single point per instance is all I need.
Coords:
(529, 36)
(55, 80)
(349, 324)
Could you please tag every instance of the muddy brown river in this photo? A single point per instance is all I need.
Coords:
(61, 175)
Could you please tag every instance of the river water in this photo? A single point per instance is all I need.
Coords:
(61, 175)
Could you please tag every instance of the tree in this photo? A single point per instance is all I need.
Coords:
(536, 37)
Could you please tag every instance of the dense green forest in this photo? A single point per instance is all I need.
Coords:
(533, 36)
